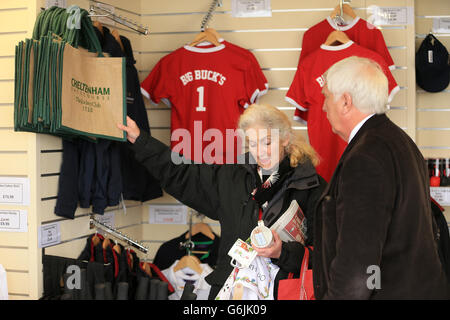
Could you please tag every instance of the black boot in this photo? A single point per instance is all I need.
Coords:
(122, 291)
(163, 291)
(153, 289)
(142, 288)
(108, 291)
(100, 291)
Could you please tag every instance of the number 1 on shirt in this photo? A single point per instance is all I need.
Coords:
(201, 93)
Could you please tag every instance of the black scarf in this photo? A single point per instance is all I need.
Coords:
(267, 189)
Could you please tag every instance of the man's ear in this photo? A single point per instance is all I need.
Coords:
(347, 103)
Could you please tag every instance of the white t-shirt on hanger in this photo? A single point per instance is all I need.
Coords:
(179, 278)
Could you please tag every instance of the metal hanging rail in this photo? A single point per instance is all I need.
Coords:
(117, 234)
(95, 11)
(208, 16)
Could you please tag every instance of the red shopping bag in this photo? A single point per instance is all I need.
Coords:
(301, 288)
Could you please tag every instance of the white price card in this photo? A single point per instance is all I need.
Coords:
(250, 8)
(380, 16)
(15, 191)
(441, 25)
(14, 220)
(107, 218)
(167, 214)
(441, 195)
(49, 235)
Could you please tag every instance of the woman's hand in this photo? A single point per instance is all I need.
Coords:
(274, 251)
(131, 129)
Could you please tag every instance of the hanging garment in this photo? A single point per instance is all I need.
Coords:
(171, 250)
(137, 183)
(305, 93)
(3, 284)
(358, 30)
(257, 281)
(179, 278)
(206, 88)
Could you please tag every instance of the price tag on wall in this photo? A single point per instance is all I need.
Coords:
(441, 25)
(14, 191)
(441, 195)
(167, 214)
(49, 235)
(250, 8)
(381, 16)
(13, 220)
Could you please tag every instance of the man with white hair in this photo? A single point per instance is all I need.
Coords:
(374, 232)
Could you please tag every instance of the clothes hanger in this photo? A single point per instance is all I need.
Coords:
(116, 35)
(106, 243)
(210, 36)
(203, 228)
(188, 261)
(98, 25)
(336, 37)
(341, 9)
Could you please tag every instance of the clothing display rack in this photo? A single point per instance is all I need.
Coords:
(95, 11)
(117, 234)
(208, 16)
(339, 18)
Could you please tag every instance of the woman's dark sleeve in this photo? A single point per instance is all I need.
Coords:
(195, 185)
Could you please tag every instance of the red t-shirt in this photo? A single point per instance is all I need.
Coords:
(207, 89)
(306, 94)
(358, 30)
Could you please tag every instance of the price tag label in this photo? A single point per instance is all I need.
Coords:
(250, 8)
(49, 235)
(14, 191)
(107, 218)
(167, 214)
(441, 195)
(391, 15)
(441, 25)
(13, 220)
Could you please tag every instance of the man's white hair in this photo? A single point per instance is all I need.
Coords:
(363, 79)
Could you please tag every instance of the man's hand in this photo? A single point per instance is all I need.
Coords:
(131, 129)
(274, 251)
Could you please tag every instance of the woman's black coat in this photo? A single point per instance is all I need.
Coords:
(223, 193)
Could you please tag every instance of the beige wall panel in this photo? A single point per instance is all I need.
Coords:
(14, 164)
(433, 100)
(9, 42)
(386, 3)
(50, 162)
(159, 118)
(279, 79)
(249, 40)
(400, 99)
(202, 6)
(70, 249)
(279, 20)
(400, 75)
(12, 20)
(7, 116)
(11, 4)
(275, 98)
(399, 117)
(14, 239)
(6, 67)
(433, 138)
(432, 8)
(437, 119)
(399, 56)
(47, 211)
(7, 90)
(437, 153)
(18, 282)
(394, 37)
(162, 135)
(49, 142)
(49, 187)
(13, 141)
(14, 259)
